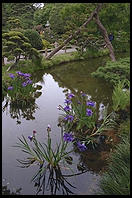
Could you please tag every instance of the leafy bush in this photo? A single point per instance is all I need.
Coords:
(91, 52)
(34, 38)
(114, 71)
(46, 44)
(120, 97)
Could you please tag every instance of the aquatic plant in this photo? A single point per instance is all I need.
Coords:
(21, 86)
(80, 117)
(43, 154)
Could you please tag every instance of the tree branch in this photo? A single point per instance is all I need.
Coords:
(95, 12)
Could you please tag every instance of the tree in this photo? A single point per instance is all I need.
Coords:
(41, 16)
(55, 19)
(94, 14)
(15, 45)
(34, 38)
(22, 11)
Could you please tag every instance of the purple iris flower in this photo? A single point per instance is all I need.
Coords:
(24, 84)
(10, 88)
(69, 117)
(70, 95)
(90, 103)
(78, 102)
(30, 138)
(29, 81)
(89, 112)
(81, 147)
(67, 108)
(67, 101)
(83, 94)
(68, 137)
(20, 73)
(27, 75)
(48, 128)
(12, 75)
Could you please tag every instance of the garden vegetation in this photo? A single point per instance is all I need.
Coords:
(21, 45)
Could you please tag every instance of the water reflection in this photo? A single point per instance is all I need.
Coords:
(19, 110)
(81, 80)
(8, 190)
(22, 109)
(53, 182)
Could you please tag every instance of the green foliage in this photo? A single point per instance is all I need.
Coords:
(42, 153)
(16, 15)
(41, 16)
(120, 98)
(46, 44)
(124, 128)
(116, 181)
(21, 87)
(91, 52)
(121, 41)
(34, 38)
(83, 119)
(112, 13)
(16, 44)
(114, 71)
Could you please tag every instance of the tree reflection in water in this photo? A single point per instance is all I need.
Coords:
(20, 109)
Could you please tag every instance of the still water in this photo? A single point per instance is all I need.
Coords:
(56, 82)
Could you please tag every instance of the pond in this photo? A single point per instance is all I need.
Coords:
(16, 121)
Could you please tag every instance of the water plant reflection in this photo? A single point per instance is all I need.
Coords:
(50, 161)
(21, 109)
(53, 181)
(20, 97)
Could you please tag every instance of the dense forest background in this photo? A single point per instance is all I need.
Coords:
(65, 18)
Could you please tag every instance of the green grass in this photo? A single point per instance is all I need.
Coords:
(116, 180)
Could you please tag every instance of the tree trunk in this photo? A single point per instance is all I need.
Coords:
(76, 32)
(46, 52)
(95, 14)
(105, 35)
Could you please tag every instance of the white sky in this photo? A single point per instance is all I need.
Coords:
(40, 5)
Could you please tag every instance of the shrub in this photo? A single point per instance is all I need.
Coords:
(34, 38)
(114, 71)
(46, 44)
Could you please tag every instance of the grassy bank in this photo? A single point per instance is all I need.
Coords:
(116, 180)
(30, 66)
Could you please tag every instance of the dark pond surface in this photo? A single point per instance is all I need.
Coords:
(72, 77)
